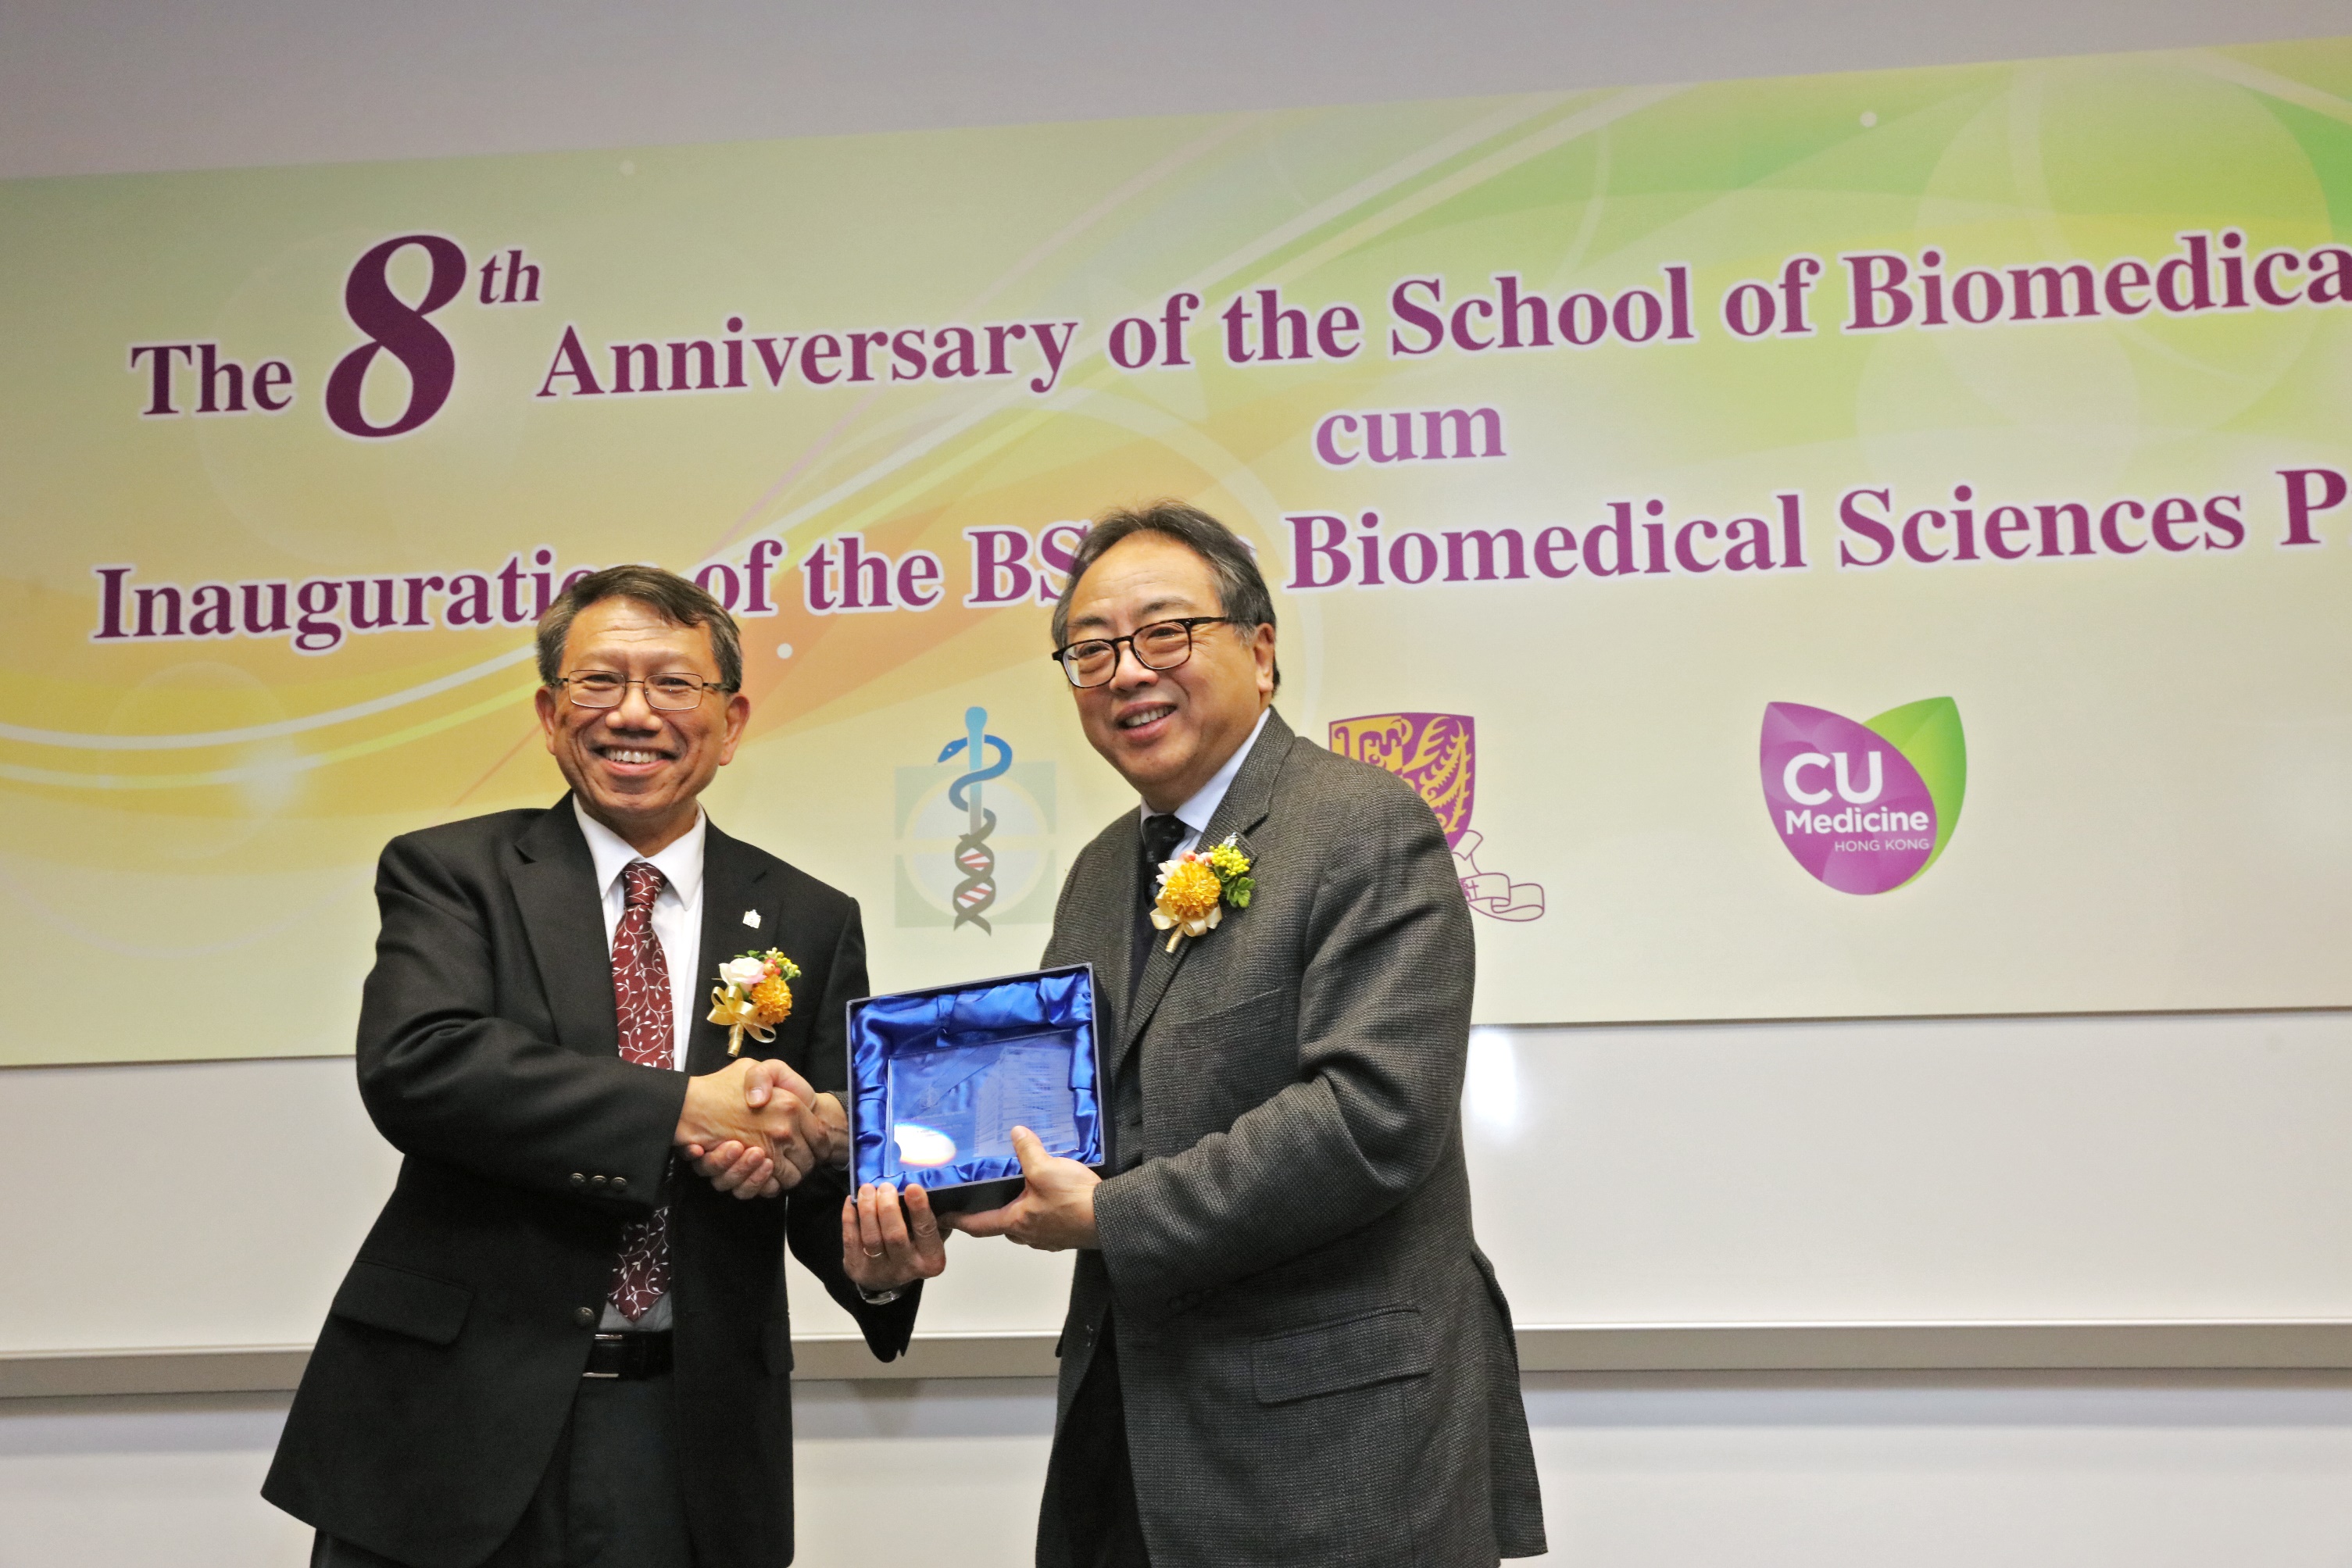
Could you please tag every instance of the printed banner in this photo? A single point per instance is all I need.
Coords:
(1862, 545)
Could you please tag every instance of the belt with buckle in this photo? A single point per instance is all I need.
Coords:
(628, 1355)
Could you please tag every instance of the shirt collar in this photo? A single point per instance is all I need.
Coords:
(680, 861)
(1196, 812)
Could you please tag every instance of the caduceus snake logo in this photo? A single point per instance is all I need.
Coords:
(973, 858)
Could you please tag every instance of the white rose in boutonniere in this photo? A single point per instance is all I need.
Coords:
(1195, 888)
(753, 995)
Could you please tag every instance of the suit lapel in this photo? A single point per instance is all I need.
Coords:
(554, 883)
(1244, 808)
(731, 883)
(1126, 887)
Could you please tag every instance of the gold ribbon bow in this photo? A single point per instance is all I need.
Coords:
(740, 1017)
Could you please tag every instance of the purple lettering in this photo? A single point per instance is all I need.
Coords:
(1420, 318)
(1000, 571)
(392, 324)
(1875, 282)
(1872, 530)
(2302, 501)
(919, 572)
(159, 393)
(1316, 538)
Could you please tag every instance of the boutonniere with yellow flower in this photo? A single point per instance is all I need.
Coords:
(753, 995)
(1195, 888)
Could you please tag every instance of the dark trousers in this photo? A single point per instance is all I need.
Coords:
(1089, 1518)
(610, 1498)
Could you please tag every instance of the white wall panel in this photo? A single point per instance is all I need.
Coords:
(1646, 1473)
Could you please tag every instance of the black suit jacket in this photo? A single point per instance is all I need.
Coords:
(488, 1054)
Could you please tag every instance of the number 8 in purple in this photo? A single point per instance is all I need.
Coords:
(392, 323)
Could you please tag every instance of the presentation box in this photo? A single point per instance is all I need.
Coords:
(940, 1077)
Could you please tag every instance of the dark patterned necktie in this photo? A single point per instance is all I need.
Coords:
(1161, 836)
(641, 993)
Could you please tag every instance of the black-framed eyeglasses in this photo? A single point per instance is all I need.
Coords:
(1163, 645)
(605, 688)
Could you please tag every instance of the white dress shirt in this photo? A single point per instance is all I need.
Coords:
(677, 922)
(677, 909)
(1195, 813)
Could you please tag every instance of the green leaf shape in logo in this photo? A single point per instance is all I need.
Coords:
(1928, 734)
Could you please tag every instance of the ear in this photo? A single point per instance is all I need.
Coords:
(544, 700)
(739, 714)
(1262, 654)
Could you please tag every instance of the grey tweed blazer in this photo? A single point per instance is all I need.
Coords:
(1316, 1358)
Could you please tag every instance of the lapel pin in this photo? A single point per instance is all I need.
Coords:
(751, 918)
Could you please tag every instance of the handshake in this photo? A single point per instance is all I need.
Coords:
(756, 1128)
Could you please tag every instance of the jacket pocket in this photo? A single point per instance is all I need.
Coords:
(776, 1347)
(382, 1296)
(1214, 1066)
(1380, 1347)
(1253, 1014)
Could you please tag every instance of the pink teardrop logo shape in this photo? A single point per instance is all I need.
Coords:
(1844, 802)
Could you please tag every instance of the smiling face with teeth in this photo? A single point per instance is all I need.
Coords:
(1168, 731)
(639, 770)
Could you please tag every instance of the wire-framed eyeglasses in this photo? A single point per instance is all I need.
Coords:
(605, 688)
(1163, 645)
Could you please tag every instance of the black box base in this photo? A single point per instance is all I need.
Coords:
(973, 1196)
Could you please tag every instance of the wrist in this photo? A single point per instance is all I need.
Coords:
(686, 1131)
(694, 1126)
(835, 1120)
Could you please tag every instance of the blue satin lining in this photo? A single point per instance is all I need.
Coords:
(959, 1064)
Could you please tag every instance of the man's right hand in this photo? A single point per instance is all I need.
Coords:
(750, 1127)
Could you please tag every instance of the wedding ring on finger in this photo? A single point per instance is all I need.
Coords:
(871, 1253)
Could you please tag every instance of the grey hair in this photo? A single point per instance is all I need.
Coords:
(666, 594)
(1242, 596)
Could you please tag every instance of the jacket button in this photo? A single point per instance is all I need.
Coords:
(620, 1184)
(578, 1179)
(597, 1181)
(584, 1316)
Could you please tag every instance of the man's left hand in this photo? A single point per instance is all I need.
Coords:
(887, 1246)
(1055, 1210)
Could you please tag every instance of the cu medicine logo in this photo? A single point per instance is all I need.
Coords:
(1865, 808)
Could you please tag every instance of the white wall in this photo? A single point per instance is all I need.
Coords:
(2070, 1169)
(91, 86)
(245, 1176)
(1819, 1472)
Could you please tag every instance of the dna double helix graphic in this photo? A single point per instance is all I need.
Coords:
(973, 858)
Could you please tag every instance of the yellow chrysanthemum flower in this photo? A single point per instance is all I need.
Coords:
(773, 999)
(1190, 891)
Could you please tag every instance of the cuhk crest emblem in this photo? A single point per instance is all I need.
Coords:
(1437, 753)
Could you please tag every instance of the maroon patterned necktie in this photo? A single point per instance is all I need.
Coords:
(641, 992)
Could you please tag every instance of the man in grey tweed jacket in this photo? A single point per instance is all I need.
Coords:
(1283, 1345)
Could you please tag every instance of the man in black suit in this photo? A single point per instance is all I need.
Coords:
(1283, 1345)
(559, 1347)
